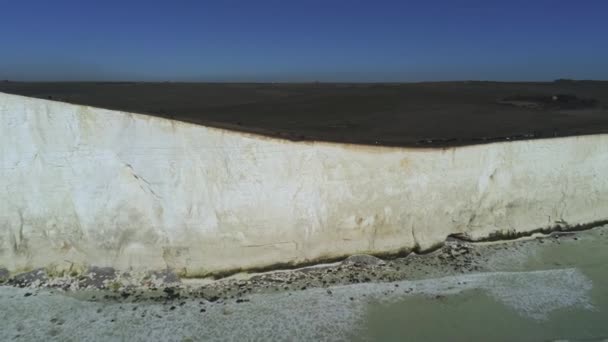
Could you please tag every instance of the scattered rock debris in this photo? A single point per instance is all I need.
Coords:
(363, 260)
(35, 278)
(4, 275)
(106, 284)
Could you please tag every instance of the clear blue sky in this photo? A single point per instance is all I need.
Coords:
(303, 40)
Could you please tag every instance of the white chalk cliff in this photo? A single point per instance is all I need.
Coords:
(89, 186)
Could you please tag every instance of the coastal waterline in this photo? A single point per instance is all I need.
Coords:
(477, 315)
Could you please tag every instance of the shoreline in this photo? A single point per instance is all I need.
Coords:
(455, 257)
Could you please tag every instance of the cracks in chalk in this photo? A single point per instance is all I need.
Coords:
(143, 183)
(19, 243)
(273, 244)
(148, 185)
(373, 239)
(512, 234)
(562, 204)
(21, 225)
(472, 219)
(481, 200)
(416, 248)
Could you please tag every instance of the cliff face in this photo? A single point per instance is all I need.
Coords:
(89, 186)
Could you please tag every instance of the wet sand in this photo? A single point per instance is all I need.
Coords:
(541, 288)
(414, 114)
